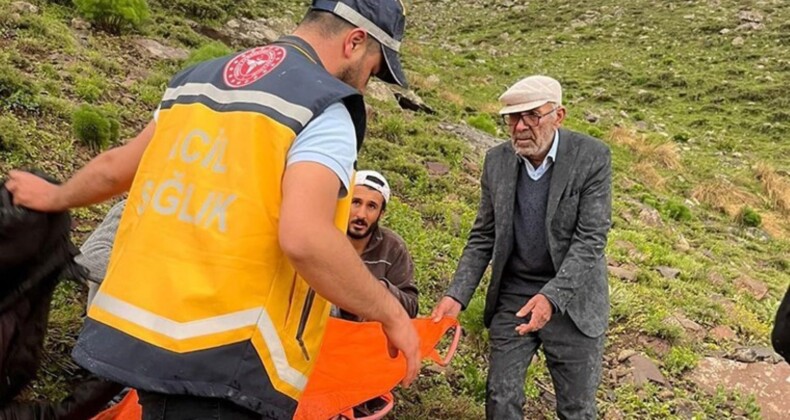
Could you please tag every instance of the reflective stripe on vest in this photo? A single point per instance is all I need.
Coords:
(228, 97)
(184, 330)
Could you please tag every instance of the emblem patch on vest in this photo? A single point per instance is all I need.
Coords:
(250, 66)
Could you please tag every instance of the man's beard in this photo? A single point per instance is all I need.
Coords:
(357, 236)
(352, 76)
(539, 142)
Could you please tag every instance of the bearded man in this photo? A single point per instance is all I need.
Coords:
(382, 250)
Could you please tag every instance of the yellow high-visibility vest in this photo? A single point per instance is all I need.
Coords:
(199, 298)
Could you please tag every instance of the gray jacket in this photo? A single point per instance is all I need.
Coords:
(578, 218)
(96, 251)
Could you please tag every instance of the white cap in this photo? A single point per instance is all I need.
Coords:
(374, 180)
(530, 93)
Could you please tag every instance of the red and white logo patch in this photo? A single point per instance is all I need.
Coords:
(250, 66)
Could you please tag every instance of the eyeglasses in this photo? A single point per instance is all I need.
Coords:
(530, 119)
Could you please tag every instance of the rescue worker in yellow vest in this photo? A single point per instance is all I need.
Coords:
(232, 243)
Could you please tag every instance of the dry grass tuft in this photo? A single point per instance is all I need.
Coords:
(452, 97)
(647, 172)
(623, 137)
(774, 225)
(776, 186)
(724, 196)
(650, 156)
(665, 154)
(491, 108)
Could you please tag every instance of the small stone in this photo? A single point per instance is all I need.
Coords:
(80, 25)
(433, 367)
(754, 287)
(750, 16)
(750, 26)
(683, 245)
(253, 32)
(722, 333)
(725, 31)
(666, 395)
(576, 24)
(643, 370)
(158, 50)
(650, 217)
(738, 41)
(23, 7)
(625, 355)
(758, 234)
(668, 272)
(613, 414)
(128, 83)
(623, 273)
(379, 91)
(590, 117)
(692, 329)
(715, 279)
(480, 140)
(437, 168)
(756, 354)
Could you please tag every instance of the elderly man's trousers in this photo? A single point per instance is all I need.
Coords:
(573, 360)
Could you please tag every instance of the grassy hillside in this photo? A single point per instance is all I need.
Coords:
(694, 109)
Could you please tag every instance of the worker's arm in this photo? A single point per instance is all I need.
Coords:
(107, 175)
(322, 254)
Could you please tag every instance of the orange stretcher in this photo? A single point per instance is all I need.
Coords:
(353, 367)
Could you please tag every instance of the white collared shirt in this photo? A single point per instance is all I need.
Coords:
(537, 173)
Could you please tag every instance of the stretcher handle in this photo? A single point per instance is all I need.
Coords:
(451, 351)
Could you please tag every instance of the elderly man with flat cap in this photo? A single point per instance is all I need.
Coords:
(543, 220)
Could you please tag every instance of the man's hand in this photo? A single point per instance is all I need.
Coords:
(402, 335)
(33, 192)
(446, 307)
(540, 308)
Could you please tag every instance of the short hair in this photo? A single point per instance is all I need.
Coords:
(328, 25)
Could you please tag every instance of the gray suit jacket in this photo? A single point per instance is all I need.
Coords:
(578, 218)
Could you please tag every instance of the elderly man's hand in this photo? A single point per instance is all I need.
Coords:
(33, 192)
(446, 307)
(541, 310)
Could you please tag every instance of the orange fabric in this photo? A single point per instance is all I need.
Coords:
(127, 409)
(353, 366)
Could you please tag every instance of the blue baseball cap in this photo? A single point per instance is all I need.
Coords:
(385, 21)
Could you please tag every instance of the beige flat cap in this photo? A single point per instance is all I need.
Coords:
(530, 93)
